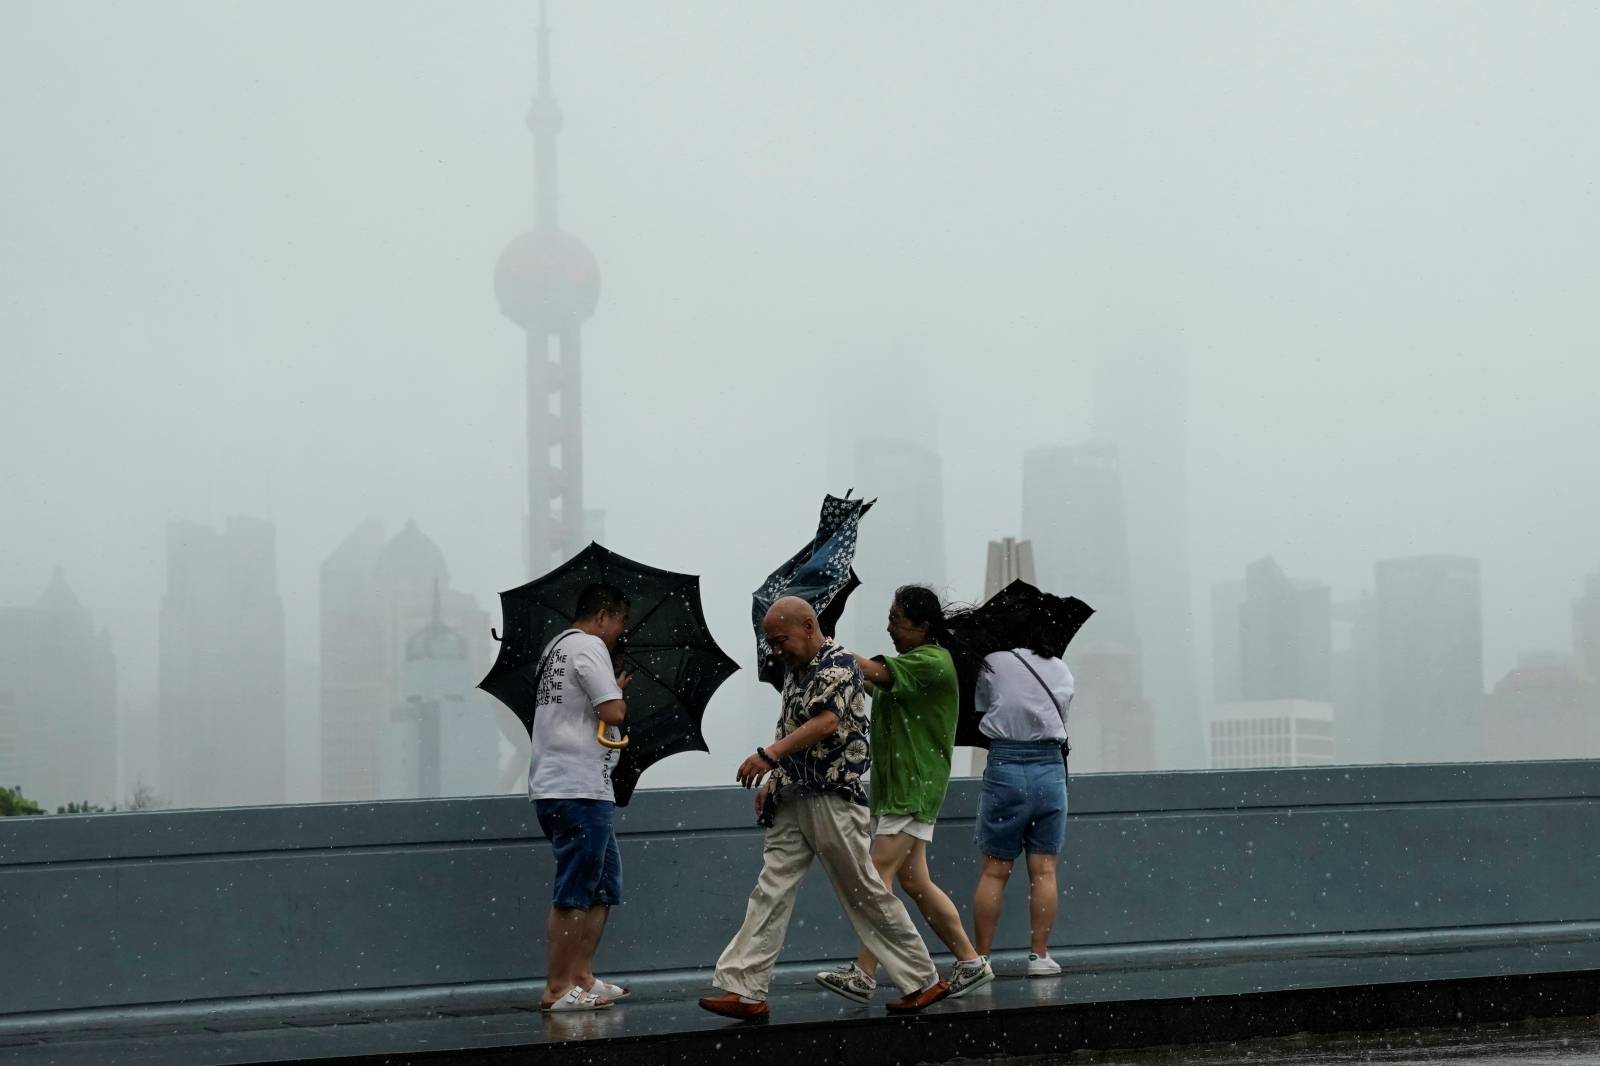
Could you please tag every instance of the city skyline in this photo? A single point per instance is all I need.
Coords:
(396, 582)
(315, 344)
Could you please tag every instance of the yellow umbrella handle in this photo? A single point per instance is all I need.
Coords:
(600, 735)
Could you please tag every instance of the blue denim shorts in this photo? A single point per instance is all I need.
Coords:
(1023, 806)
(588, 864)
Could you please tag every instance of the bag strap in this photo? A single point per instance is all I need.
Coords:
(1048, 691)
(545, 662)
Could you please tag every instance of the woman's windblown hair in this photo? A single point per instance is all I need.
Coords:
(921, 606)
(1044, 627)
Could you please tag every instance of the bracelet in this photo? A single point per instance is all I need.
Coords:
(769, 760)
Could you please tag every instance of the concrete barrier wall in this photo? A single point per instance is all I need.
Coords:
(119, 910)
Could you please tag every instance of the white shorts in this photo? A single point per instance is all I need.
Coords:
(895, 824)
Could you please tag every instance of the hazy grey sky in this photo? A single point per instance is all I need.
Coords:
(246, 251)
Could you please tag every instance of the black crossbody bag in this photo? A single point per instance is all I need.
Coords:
(1066, 745)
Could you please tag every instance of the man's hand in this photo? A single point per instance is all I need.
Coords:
(752, 770)
(623, 678)
(761, 796)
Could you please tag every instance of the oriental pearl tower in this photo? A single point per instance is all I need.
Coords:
(548, 283)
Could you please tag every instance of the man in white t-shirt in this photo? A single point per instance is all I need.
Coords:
(569, 782)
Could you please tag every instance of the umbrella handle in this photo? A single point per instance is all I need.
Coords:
(605, 741)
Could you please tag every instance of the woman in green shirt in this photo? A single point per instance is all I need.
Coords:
(914, 705)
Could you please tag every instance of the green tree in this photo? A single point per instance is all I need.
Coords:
(81, 808)
(13, 802)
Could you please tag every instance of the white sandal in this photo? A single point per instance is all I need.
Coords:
(577, 999)
(602, 987)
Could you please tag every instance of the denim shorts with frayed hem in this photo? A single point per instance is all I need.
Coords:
(1023, 806)
(588, 864)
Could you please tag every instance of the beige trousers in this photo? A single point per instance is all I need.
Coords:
(832, 829)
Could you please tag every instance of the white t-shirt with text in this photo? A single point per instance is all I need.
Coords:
(567, 761)
(1012, 702)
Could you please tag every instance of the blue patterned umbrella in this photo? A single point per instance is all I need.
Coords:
(820, 573)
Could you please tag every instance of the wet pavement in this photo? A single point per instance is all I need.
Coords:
(1536, 1042)
(1023, 1019)
(1407, 986)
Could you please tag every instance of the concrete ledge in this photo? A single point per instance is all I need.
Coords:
(156, 835)
(1224, 871)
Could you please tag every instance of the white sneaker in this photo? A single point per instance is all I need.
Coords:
(1042, 966)
(966, 977)
(849, 981)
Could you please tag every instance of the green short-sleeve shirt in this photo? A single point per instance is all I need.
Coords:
(914, 733)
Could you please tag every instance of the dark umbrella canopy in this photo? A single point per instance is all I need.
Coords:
(1018, 616)
(819, 573)
(675, 661)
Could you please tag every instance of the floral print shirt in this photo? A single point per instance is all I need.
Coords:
(835, 764)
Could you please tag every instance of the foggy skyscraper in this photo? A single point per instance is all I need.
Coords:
(1009, 560)
(1227, 600)
(1285, 636)
(12, 645)
(1140, 406)
(1072, 511)
(58, 724)
(351, 668)
(222, 666)
(1430, 658)
(903, 542)
(548, 283)
(1110, 724)
(1252, 733)
(443, 738)
(1542, 709)
(1272, 647)
(1586, 629)
(375, 596)
(1353, 679)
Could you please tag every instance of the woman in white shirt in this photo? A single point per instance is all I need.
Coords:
(1022, 698)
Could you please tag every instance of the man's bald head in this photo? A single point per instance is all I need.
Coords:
(791, 628)
(790, 610)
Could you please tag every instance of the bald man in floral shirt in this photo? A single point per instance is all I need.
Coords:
(813, 772)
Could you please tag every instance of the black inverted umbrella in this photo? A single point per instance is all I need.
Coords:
(675, 661)
(1018, 616)
(819, 573)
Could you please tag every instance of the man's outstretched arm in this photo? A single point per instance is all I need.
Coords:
(821, 725)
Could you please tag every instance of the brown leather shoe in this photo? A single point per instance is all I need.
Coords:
(729, 1005)
(917, 1000)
